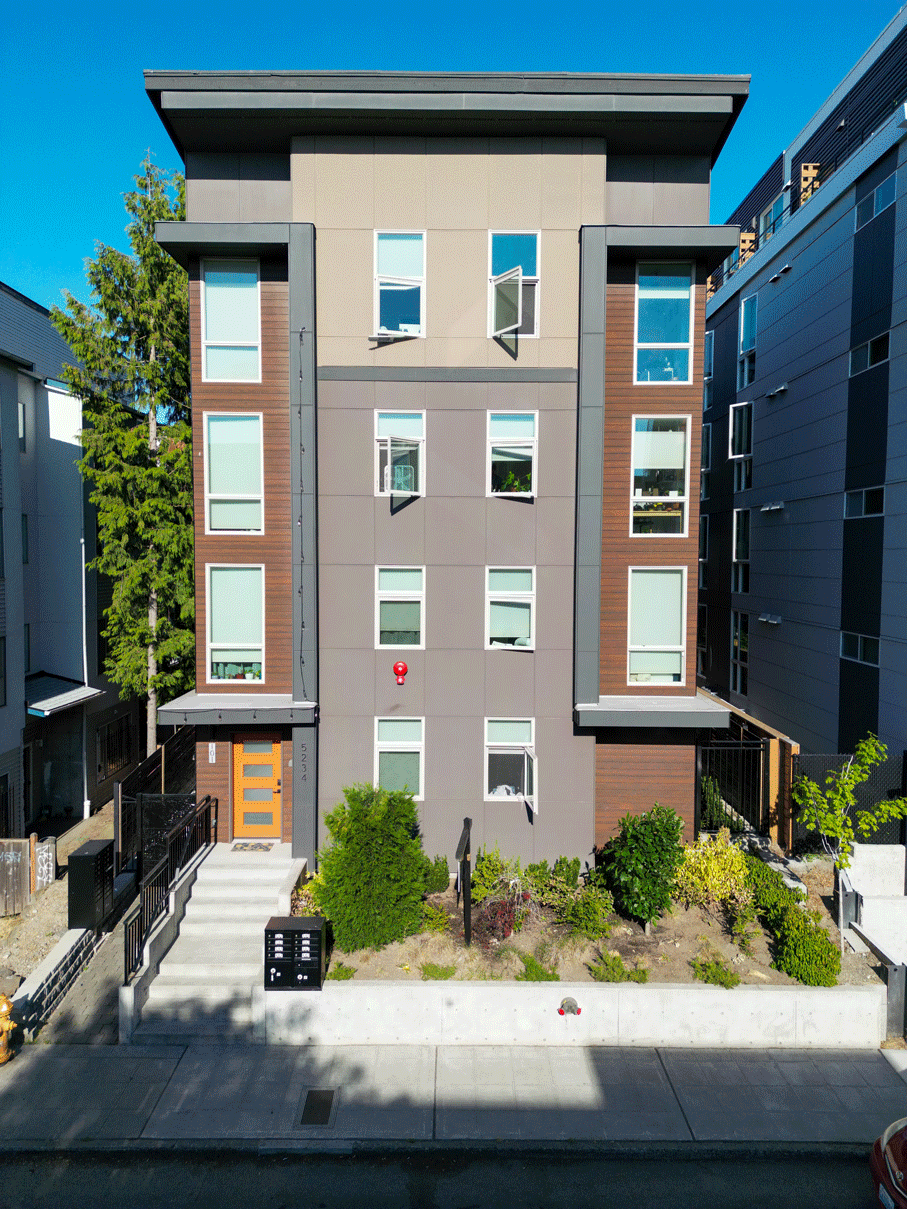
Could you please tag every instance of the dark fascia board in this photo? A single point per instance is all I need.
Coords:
(187, 240)
(711, 244)
(243, 715)
(652, 713)
(17, 362)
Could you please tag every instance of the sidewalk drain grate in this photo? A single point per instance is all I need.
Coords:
(318, 1108)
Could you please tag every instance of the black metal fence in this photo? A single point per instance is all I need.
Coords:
(734, 773)
(887, 780)
(168, 771)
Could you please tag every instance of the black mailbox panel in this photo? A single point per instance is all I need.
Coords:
(295, 953)
(90, 877)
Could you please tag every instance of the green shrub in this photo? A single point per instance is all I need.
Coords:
(338, 972)
(437, 875)
(493, 875)
(587, 912)
(771, 897)
(435, 973)
(713, 873)
(713, 814)
(640, 864)
(806, 951)
(610, 968)
(373, 874)
(534, 971)
(715, 971)
(538, 877)
(567, 871)
(434, 919)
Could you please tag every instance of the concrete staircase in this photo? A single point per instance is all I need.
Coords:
(203, 990)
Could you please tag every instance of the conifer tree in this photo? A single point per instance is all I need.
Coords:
(132, 347)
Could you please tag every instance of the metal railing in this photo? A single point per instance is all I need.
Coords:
(193, 831)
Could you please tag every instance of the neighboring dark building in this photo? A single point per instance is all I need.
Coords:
(803, 574)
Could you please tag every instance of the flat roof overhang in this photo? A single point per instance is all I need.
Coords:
(185, 240)
(263, 111)
(240, 709)
(710, 244)
(46, 694)
(647, 712)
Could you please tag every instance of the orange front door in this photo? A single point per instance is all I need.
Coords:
(256, 786)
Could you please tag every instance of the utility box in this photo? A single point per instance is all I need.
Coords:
(90, 878)
(295, 953)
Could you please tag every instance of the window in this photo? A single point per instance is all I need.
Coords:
(510, 770)
(702, 622)
(231, 321)
(870, 502)
(236, 623)
(114, 742)
(705, 484)
(399, 452)
(879, 199)
(865, 356)
(399, 601)
(860, 647)
(233, 474)
(770, 218)
(703, 548)
(746, 365)
(513, 283)
(708, 369)
(743, 474)
(510, 607)
(399, 284)
(24, 538)
(741, 444)
(740, 570)
(512, 448)
(660, 457)
(657, 628)
(21, 422)
(664, 323)
(398, 755)
(705, 453)
(2, 671)
(740, 645)
(26, 646)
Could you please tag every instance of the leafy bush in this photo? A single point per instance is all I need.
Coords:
(492, 874)
(715, 971)
(610, 968)
(640, 864)
(373, 874)
(437, 875)
(567, 871)
(806, 951)
(534, 971)
(305, 898)
(434, 919)
(713, 814)
(495, 920)
(435, 973)
(587, 912)
(712, 873)
(771, 897)
(339, 972)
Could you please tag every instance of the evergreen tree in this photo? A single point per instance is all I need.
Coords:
(132, 345)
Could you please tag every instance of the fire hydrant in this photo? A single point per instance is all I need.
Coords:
(7, 1024)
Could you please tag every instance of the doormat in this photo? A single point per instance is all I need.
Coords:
(251, 847)
(318, 1108)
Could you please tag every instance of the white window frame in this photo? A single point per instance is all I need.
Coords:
(868, 345)
(659, 499)
(754, 299)
(528, 749)
(378, 334)
(404, 745)
(740, 667)
(708, 368)
(508, 598)
(523, 280)
(381, 483)
(857, 499)
(689, 342)
(859, 657)
(209, 567)
(405, 596)
(875, 207)
(730, 431)
(206, 343)
(219, 496)
(683, 628)
(531, 443)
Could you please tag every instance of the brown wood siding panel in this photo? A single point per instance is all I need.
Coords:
(620, 551)
(633, 776)
(272, 548)
(216, 780)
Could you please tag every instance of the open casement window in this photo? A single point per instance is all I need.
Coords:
(233, 474)
(664, 323)
(660, 479)
(510, 768)
(511, 453)
(235, 607)
(740, 647)
(399, 599)
(513, 288)
(398, 755)
(231, 321)
(399, 284)
(657, 630)
(510, 608)
(400, 450)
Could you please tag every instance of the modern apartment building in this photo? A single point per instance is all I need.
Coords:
(803, 620)
(64, 733)
(447, 345)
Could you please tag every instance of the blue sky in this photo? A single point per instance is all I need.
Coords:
(77, 122)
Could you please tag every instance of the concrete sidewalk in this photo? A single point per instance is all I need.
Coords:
(98, 1096)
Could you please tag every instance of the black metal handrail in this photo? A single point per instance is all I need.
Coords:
(195, 829)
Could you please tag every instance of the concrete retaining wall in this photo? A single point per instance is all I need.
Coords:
(40, 993)
(666, 1014)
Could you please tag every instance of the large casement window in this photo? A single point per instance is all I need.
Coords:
(746, 364)
(510, 770)
(399, 604)
(231, 321)
(399, 284)
(879, 199)
(236, 633)
(740, 646)
(660, 458)
(233, 474)
(657, 629)
(510, 607)
(740, 568)
(741, 444)
(664, 323)
(399, 452)
(399, 745)
(513, 283)
(708, 369)
(512, 448)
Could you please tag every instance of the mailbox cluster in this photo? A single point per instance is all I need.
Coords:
(295, 953)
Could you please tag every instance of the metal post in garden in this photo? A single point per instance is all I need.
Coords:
(463, 858)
